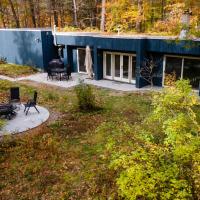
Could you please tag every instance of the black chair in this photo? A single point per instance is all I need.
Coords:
(50, 74)
(31, 103)
(68, 73)
(14, 95)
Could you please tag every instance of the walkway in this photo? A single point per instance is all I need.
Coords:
(76, 77)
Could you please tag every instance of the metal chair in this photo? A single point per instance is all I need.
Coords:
(50, 74)
(31, 103)
(67, 73)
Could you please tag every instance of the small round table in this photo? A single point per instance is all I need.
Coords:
(58, 71)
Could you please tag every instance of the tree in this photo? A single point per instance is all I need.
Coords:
(32, 11)
(16, 18)
(150, 70)
(2, 18)
(103, 15)
(75, 13)
(164, 160)
(140, 16)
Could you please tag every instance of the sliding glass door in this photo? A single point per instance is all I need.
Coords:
(176, 67)
(191, 71)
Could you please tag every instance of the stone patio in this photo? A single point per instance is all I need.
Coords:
(22, 122)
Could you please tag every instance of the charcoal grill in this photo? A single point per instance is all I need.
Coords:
(7, 110)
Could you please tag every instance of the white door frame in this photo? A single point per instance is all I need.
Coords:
(78, 67)
(112, 77)
(104, 66)
(120, 67)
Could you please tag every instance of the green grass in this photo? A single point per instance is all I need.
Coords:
(65, 158)
(13, 70)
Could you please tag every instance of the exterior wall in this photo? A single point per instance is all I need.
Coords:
(25, 47)
(142, 47)
(35, 47)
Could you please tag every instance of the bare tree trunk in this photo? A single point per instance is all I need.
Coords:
(75, 13)
(95, 13)
(55, 14)
(140, 16)
(16, 18)
(32, 11)
(103, 16)
(37, 12)
(2, 16)
(162, 9)
(152, 11)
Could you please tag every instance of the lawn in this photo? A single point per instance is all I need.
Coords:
(65, 158)
(13, 70)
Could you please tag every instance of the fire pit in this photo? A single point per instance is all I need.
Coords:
(7, 110)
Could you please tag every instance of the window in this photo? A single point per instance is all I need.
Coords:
(191, 71)
(182, 68)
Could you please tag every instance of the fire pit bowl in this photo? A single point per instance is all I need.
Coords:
(7, 110)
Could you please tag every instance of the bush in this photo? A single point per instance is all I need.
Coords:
(86, 97)
(163, 164)
(2, 122)
(3, 60)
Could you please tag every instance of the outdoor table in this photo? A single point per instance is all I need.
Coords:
(58, 71)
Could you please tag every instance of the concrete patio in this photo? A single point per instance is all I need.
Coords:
(76, 77)
(22, 122)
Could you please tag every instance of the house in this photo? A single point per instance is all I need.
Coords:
(115, 57)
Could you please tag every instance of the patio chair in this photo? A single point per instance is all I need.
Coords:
(50, 74)
(31, 103)
(68, 73)
(14, 95)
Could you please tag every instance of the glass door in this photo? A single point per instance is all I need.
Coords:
(81, 60)
(132, 70)
(117, 67)
(108, 66)
(125, 69)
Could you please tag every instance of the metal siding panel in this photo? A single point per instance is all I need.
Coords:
(48, 49)
(22, 47)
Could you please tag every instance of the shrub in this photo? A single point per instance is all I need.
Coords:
(2, 122)
(165, 164)
(86, 97)
(3, 60)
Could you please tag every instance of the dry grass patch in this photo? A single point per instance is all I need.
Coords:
(14, 71)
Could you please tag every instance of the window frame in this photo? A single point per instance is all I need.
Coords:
(182, 66)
